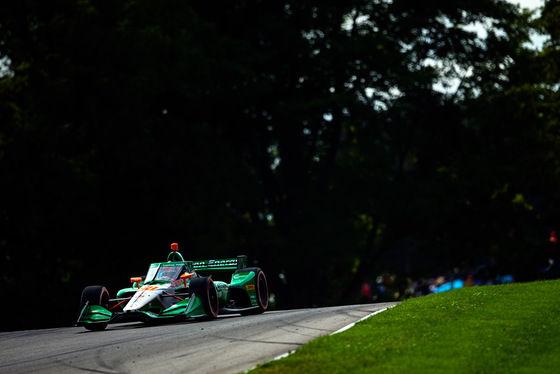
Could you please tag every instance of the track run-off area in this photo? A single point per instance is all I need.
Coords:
(228, 344)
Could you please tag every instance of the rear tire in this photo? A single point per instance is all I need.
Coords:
(95, 295)
(204, 288)
(261, 288)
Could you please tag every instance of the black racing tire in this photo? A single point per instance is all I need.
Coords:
(95, 295)
(204, 288)
(261, 288)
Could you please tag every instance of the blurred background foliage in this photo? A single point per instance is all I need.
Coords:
(328, 141)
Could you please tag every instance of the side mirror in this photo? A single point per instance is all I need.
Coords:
(136, 281)
(186, 276)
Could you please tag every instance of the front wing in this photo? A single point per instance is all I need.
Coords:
(95, 314)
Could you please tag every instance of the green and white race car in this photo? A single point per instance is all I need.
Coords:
(178, 290)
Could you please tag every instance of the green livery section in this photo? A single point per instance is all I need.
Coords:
(221, 265)
(179, 290)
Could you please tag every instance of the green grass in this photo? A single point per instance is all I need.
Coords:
(511, 328)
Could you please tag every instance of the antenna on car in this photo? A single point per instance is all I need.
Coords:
(174, 255)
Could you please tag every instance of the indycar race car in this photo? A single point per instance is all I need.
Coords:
(178, 290)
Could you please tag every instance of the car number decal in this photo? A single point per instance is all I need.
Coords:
(148, 288)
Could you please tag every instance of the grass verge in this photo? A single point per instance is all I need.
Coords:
(512, 328)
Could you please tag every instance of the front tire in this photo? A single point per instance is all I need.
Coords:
(204, 288)
(95, 295)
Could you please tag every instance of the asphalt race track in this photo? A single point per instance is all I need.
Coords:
(228, 344)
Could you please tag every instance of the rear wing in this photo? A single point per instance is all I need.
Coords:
(227, 264)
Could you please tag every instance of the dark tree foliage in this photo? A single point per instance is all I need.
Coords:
(326, 140)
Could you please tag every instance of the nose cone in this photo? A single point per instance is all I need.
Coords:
(142, 297)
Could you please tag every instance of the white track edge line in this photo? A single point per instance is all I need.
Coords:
(284, 355)
(360, 320)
